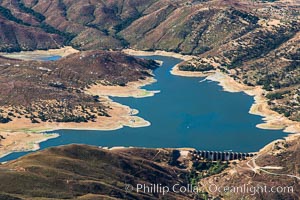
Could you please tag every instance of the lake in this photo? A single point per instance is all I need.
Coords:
(186, 113)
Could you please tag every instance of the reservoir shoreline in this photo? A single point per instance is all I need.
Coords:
(272, 120)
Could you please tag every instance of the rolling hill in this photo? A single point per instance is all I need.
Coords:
(255, 42)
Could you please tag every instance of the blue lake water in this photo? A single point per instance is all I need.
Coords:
(186, 113)
(49, 58)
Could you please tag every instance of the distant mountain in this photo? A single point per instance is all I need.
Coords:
(190, 27)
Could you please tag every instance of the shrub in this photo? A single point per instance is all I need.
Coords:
(30, 11)
(4, 120)
(276, 95)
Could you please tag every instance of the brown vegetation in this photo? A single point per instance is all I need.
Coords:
(54, 91)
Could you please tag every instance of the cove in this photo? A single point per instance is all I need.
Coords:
(186, 113)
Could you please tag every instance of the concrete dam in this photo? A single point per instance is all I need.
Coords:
(219, 155)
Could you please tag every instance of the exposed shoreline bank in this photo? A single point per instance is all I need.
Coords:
(132, 89)
(22, 142)
(157, 53)
(33, 55)
(272, 120)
